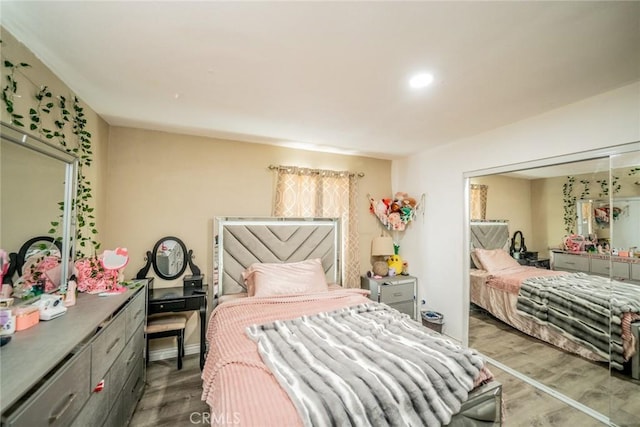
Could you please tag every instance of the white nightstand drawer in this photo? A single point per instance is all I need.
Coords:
(390, 294)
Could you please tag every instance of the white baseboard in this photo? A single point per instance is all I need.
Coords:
(172, 353)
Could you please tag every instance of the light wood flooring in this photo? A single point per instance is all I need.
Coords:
(172, 398)
(589, 383)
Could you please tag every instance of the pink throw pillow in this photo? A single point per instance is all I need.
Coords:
(269, 279)
(493, 260)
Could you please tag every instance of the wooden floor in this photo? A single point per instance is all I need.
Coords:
(172, 398)
(589, 383)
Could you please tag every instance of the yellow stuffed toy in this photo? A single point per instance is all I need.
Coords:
(395, 261)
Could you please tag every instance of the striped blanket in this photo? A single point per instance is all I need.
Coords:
(367, 365)
(593, 310)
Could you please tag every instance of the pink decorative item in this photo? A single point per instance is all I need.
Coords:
(70, 296)
(92, 277)
(115, 261)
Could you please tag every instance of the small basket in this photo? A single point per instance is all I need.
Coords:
(433, 320)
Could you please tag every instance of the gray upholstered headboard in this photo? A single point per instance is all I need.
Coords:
(244, 241)
(489, 234)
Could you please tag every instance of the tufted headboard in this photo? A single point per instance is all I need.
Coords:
(490, 235)
(244, 241)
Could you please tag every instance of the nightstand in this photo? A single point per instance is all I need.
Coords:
(398, 292)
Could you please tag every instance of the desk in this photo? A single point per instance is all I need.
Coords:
(164, 300)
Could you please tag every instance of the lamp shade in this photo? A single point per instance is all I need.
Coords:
(382, 246)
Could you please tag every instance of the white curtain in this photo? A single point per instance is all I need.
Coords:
(302, 192)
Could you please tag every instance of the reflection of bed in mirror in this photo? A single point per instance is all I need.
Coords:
(572, 311)
(236, 379)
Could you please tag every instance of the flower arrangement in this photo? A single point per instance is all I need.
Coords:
(394, 213)
(93, 278)
(40, 273)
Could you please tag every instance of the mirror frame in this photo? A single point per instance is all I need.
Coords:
(71, 162)
(156, 268)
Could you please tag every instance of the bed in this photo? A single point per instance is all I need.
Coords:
(297, 355)
(591, 316)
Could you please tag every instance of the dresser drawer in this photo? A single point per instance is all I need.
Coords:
(60, 399)
(390, 294)
(125, 363)
(106, 348)
(570, 262)
(97, 408)
(167, 305)
(635, 272)
(135, 314)
(133, 390)
(406, 307)
(603, 267)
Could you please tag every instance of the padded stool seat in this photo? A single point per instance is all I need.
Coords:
(167, 325)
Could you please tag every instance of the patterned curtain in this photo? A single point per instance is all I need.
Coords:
(478, 205)
(302, 192)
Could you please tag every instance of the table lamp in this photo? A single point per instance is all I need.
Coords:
(381, 247)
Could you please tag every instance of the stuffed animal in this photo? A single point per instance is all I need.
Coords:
(395, 262)
(395, 222)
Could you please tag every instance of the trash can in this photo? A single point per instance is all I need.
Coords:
(433, 320)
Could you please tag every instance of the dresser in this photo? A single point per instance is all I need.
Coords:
(83, 368)
(398, 292)
(619, 268)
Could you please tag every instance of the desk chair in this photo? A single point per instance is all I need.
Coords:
(163, 325)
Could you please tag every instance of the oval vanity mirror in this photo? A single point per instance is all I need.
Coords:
(169, 258)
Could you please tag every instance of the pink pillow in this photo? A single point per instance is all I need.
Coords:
(493, 260)
(475, 262)
(269, 279)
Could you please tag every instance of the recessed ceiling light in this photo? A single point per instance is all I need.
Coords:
(421, 80)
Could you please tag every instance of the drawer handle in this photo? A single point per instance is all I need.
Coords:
(130, 359)
(135, 386)
(70, 399)
(397, 294)
(570, 263)
(137, 314)
(113, 344)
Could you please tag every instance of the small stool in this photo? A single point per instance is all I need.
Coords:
(163, 325)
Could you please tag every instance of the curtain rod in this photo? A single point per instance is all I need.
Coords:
(274, 167)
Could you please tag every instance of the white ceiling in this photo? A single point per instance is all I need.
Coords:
(331, 75)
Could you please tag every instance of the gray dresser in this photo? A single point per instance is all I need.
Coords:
(619, 268)
(83, 368)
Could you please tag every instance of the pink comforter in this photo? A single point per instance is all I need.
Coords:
(510, 279)
(238, 387)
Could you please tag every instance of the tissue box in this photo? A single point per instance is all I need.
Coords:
(26, 317)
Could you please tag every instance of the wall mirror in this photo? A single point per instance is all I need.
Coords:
(36, 180)
(169, 259)
(589, 376)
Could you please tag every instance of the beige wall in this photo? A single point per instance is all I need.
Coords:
(30, 79)
(163, 184)
(147, 185)
(510, 199)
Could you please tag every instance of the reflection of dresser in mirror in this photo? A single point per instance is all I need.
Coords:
(169, 257)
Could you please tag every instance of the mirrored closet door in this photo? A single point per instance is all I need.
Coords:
(536, 321)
